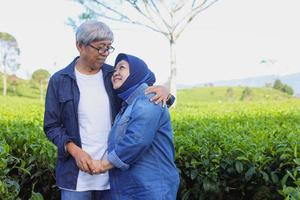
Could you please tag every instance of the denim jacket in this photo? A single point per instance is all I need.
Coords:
(140, 146)
(61, 118)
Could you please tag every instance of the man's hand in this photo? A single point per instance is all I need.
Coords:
(101, 166)
(83, 159)
(161, 94)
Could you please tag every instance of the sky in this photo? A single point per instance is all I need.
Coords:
(232, 39)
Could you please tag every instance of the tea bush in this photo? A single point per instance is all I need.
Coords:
(235, 150)
(239, 150)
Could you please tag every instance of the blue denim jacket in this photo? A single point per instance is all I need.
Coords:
(61, 118)
(140, 146)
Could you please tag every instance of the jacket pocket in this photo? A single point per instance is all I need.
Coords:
(66, 107)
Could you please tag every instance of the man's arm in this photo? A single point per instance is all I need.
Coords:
(83, 160)
(53, 128)
(162, 94)
(56, 132)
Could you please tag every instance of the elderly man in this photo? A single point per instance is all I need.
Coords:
(79, 111)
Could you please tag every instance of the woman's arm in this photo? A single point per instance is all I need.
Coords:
(139, 135)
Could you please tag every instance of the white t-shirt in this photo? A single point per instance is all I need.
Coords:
(94, 126)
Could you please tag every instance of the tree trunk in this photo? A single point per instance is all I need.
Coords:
(41, 90)
(14, 90)
(173, 72)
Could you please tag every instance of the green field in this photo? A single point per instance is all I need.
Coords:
(228, 94)
(21, 88)
(225, 148)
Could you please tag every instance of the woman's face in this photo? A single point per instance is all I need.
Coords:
(121, 74)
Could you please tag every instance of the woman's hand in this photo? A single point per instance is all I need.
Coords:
(101, 166)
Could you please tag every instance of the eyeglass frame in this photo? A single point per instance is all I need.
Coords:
(103, 49)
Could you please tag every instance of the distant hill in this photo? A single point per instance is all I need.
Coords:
(29, 88)
(225, 94)
(292, 80)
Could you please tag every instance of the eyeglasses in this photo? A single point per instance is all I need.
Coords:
(103, 49)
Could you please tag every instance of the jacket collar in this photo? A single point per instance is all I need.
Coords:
(140, 90)
(70, 69)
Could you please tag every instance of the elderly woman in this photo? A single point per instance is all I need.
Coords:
(140, 147)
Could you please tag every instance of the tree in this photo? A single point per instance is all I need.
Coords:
(246, 94)
(41, 76)
(277, 84)
(9, 56)
(13, 80)
(268, 85)
(287, 89)
(229, 92)
(169, 18)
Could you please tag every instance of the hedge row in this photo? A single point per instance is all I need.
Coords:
(223, 151)
(238, 150)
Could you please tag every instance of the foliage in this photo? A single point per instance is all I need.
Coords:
(40, 75)
(22, 88)
(229, 92)
(233, 150)
(9, 57)
(246, 94)
(291, 181)
(9, 52)
(238, 150)
(278, 85)
(224, 94)
(6, 37)
(26, 157)
(287, 89)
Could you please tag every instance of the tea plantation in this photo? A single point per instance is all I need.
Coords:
(225, 149)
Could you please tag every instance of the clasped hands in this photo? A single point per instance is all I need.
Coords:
(85, 162)
(94, 166)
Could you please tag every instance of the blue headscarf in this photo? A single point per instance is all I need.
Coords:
(139, 73)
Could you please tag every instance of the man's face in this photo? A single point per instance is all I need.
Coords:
(121, 74)
(95, 53)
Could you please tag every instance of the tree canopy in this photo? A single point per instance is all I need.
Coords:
(9, 56)
(40, 75)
